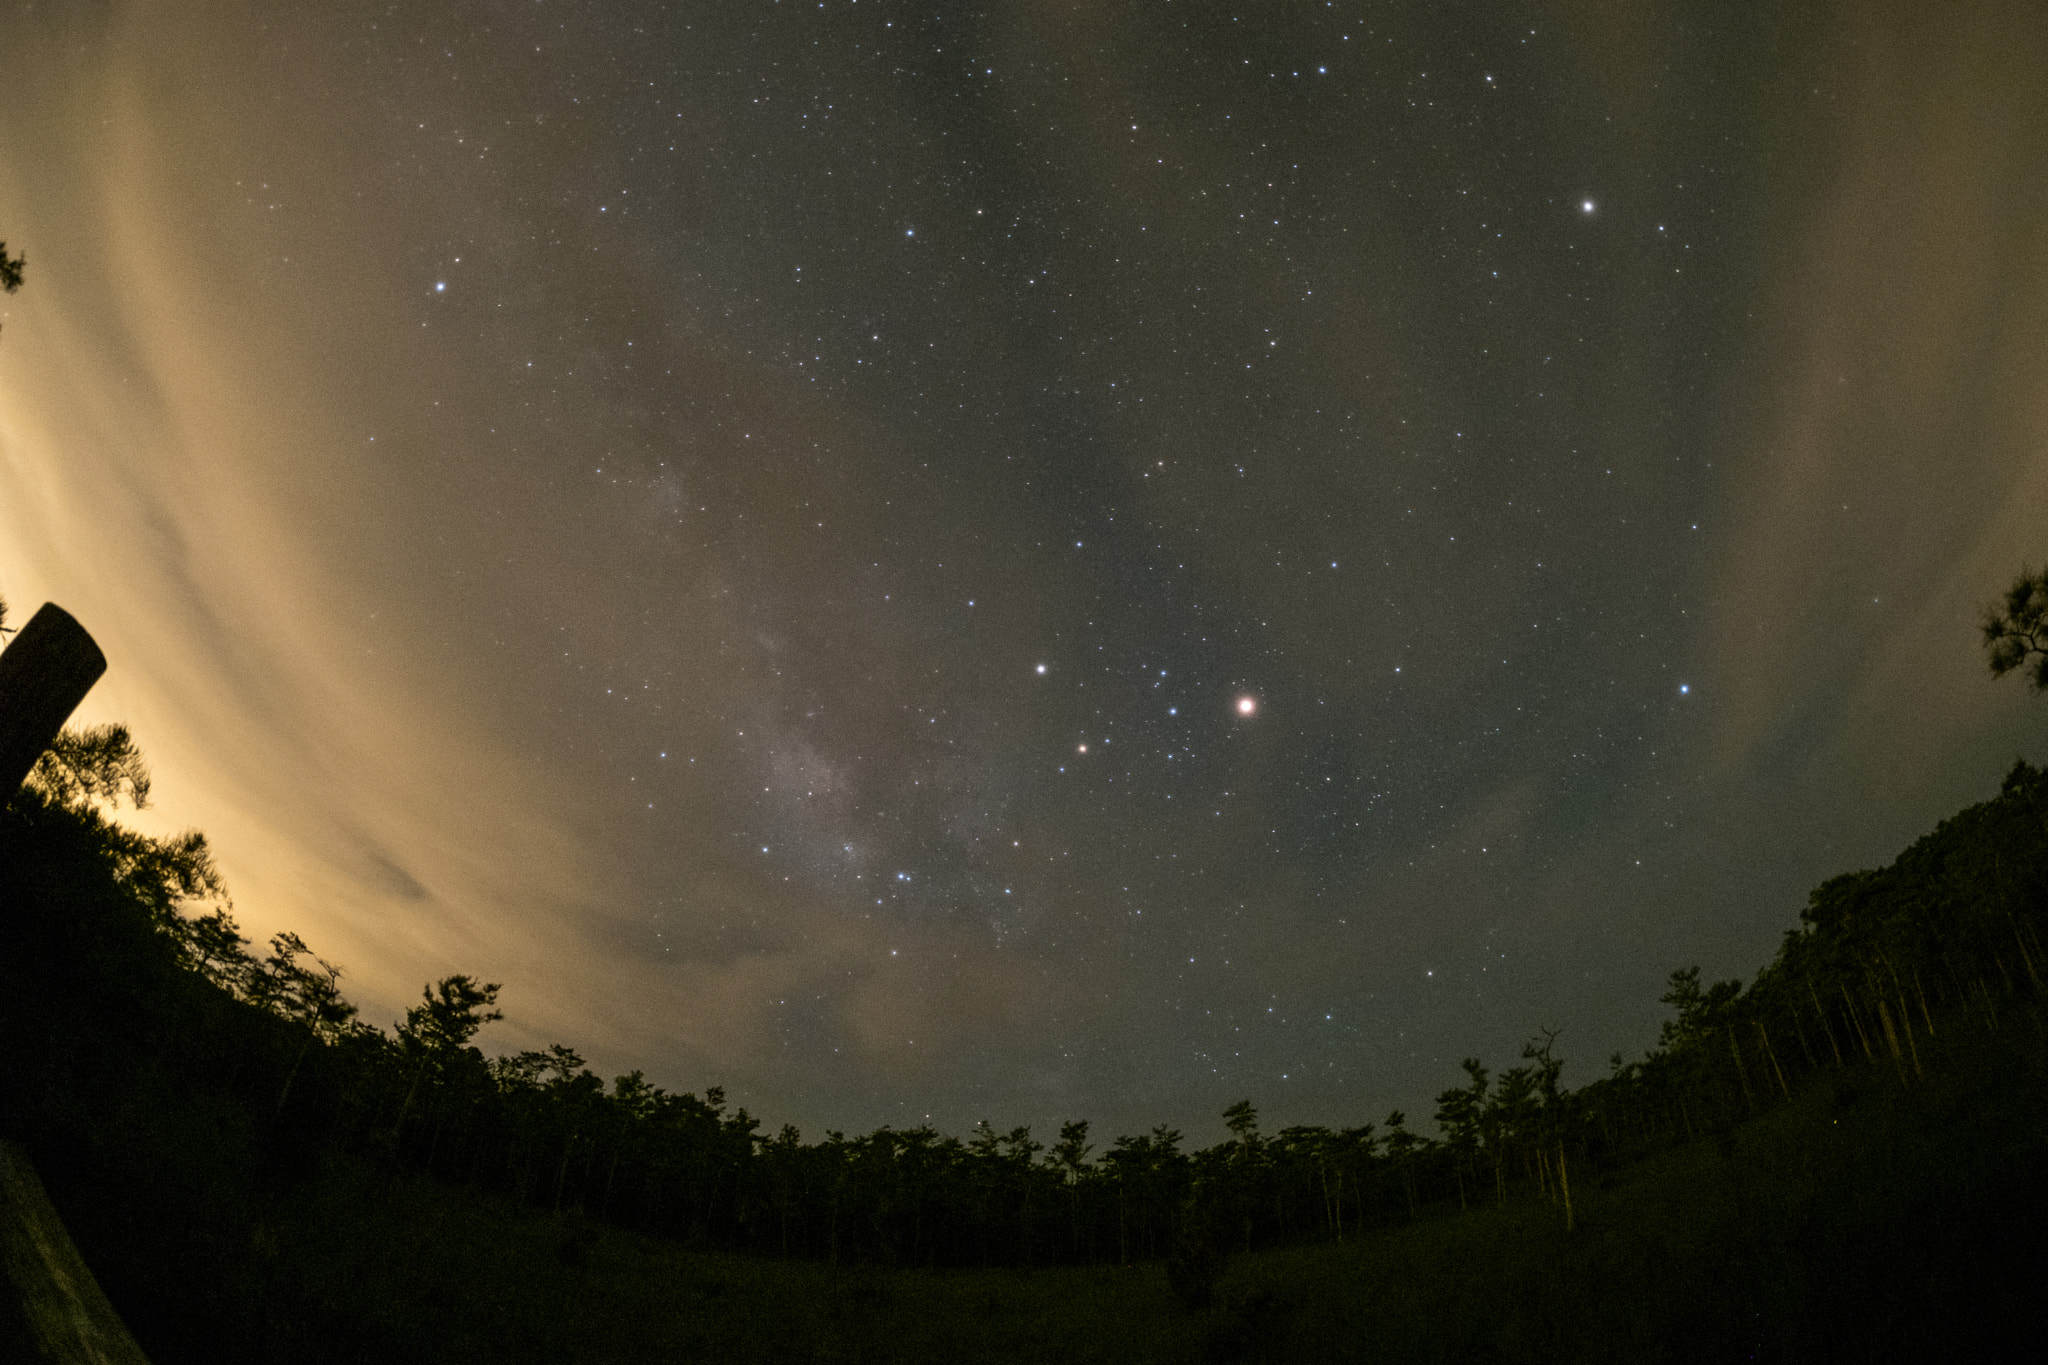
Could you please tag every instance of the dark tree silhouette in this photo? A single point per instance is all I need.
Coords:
(1243, 1122)
(452, 1013)
(10, 280)
(435, 1032)
(1458, 1114)
(99, 763)
(1952, 935)
(2016, 628)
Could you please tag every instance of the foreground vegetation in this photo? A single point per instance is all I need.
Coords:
(1863, 1220)
(1847, 1150)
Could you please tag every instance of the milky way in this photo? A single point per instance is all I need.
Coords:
(1041, 561)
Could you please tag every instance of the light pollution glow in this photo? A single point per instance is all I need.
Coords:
(193, 383)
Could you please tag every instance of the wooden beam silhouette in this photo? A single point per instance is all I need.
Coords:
(59, 1316)
(44, 674)
(54, 1312)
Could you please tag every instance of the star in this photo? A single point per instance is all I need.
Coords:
(685, 584)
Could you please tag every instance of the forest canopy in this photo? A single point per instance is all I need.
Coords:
(1952, 924)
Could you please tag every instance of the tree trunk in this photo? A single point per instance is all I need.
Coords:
(406, 1108)
(1799, 1027)
(1869, 1052)
(1771, 1053)
(1741, 1071)
(1921, 991)
(1990, 1005)
(1891, 1038)
(1822, 1015)
(289, 1077)
(1564, 1182)
(2025, 956)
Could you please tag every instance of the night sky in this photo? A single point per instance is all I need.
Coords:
(1043, 560)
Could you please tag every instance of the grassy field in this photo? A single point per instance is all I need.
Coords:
(1865, 1218)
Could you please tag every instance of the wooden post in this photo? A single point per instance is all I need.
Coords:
(44, 674)
(54, 1312)
(57, 1305)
